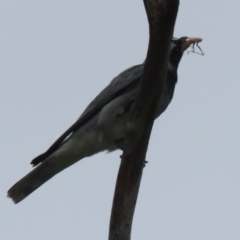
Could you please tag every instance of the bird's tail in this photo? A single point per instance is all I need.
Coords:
(32, 181)
(69, 153)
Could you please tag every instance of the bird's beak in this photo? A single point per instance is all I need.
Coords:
(189, 42)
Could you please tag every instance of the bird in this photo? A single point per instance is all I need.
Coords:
(101, 127)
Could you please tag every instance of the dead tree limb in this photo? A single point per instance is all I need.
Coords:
(161, 17)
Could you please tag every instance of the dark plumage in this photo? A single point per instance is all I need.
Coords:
(101, 126)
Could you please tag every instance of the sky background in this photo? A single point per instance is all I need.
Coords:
(56, 56)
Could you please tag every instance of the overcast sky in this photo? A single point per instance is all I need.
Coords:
(56, 56)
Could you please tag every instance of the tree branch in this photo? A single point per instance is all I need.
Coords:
(161, 17)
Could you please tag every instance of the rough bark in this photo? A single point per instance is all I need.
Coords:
(161, 17)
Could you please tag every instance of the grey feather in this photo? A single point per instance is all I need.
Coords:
(100, 127)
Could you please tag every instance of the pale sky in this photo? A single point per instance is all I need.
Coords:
(56, 56)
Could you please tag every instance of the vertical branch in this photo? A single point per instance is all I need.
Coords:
(161, 17)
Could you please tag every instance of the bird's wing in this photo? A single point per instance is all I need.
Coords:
(119, 85)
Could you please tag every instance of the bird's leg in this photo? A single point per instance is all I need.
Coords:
(145, 162)
(144, 165)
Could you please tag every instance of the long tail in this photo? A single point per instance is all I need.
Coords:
(69, 153)
(32, 181)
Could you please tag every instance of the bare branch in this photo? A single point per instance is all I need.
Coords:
(161, 16)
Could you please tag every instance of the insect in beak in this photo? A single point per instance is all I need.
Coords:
(194, 41)
(193, 49)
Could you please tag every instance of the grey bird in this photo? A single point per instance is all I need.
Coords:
(101, 126)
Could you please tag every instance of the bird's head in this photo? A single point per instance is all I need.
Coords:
(178, 46)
